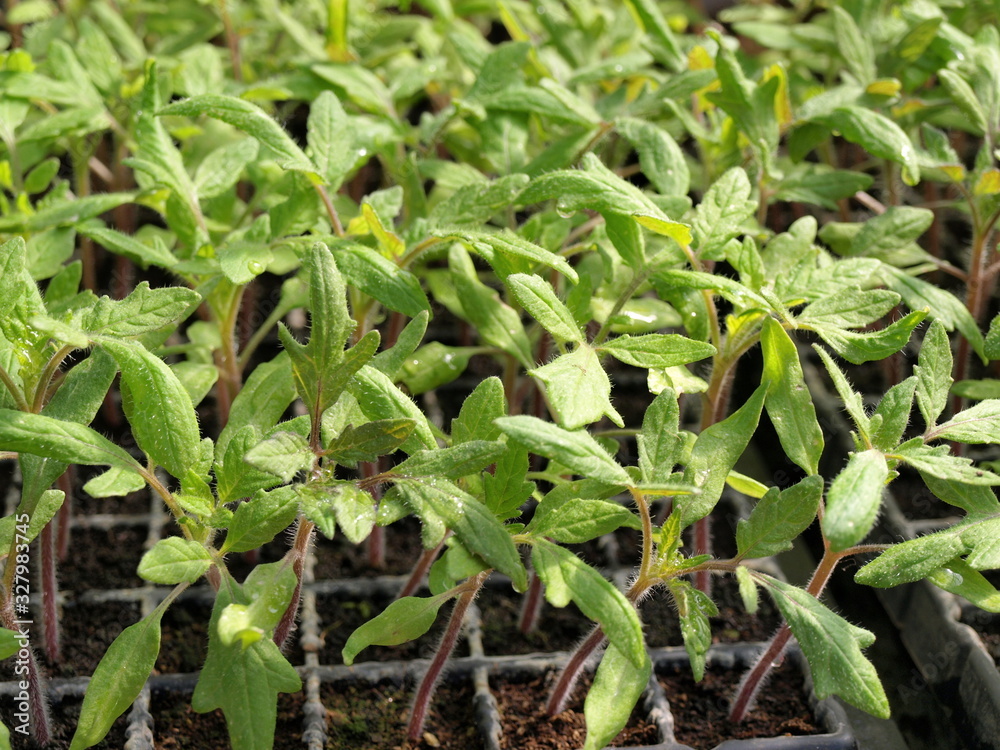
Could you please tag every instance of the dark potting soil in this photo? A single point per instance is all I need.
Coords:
(183, 637)
(64, 717)
(178, 727)
(558, 628)
(103, 559)
(701, 709)
(527, 727)
(732, 625)
(986, 624)
(86, 631)
(375, 717)
(339, 618)
(338, 558)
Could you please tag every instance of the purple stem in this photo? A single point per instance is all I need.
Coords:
(571, 672)
(50, 593)
(427, 558)
(425, 691)
(300, 548)
(532, 605)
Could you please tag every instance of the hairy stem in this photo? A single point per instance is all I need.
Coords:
(300, 548)
(754, 679)
(425, 691)
(37, 692)
(424, 562)
(571, 672)
(531, 605)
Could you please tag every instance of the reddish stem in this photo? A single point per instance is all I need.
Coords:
(424, 562)
(532, 605)
(50, 594)
(425, 691)
(300, 548)
(38, 707)
(567, 678)
(755, 678)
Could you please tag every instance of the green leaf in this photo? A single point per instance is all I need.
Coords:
(961, 579)
(660, 157)
(331, 138)
(850, 308)
(575, 450)
(694, 607)
(221, 169)
(404, 620)
(965, 99)
(832, 646)
(252, 120)
(851, 398)
(435, 365)
(474, 525)
(877, 134)
(244, 683)
(722, 213)
(972, 498)
(567, 577)
(818, 184)
(653, 23)
(44, 511)
(508, 244)
(893, 230)
(369, 441)
(937, 461)
(158, 408)
(67, 442)
(578, 520)
(854, 499)
(475, 204)
(118, 679)
(258, 520)
(748, 589)
(234, 477)
(480, 408)
(143, 311)
(977, 390)
(858, 348)
(778, 518)
(175, 560)
(593, 187)
(495, 321)
(853, 46)
(657, 350)
(269, 589)
(470, 457)
(977, 424)
(321, 368)
(659, 442)
(284, 455)
(507, 488)
(616, 689)
(265, 396)
(540, 301)
(382, 280)
(714, 454)
(910, 560)
(578, 388)
(10, 642)
(894, 411)
(355, 511)
(379, 398)
(788, 402)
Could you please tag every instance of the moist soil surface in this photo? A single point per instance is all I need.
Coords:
(701, 709)
(374, 717)
(557, 629)
(527, 727)
(178, 727)
(103, 559)
(86, 631)
(64, 717)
